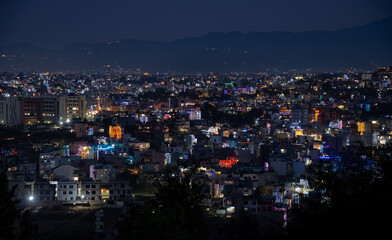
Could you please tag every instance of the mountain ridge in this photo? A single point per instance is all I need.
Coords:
(363, 47)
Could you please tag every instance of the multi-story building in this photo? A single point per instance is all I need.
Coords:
(50, 113)
(90, 190)
(44, 191)
(120, 191)
(10, 111)
(67, 191)
(28, 110)
(299, 116)
(72, 107)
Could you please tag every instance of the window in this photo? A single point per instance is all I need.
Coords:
(92, 192)
(65, 193)
(70, 192)
(93, 186)
(88, 186)
(70, 186)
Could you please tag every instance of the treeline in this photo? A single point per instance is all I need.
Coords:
(238, 119)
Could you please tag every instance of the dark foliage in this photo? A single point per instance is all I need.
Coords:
(10, 216)
(175, 214)
(8, 211)
(354, 200)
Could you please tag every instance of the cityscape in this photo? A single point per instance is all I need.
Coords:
(98, 143)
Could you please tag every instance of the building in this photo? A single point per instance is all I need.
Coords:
(28, 110)
(299, 116)
(120, 191)
(44, 191)
(66, 172)
(10, 111)
(90, 190)
(50, 113)
(67, 191)
(72, 107)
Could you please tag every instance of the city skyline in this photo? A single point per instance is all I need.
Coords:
(195, 120)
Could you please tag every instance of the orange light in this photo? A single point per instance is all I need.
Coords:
(115, 132)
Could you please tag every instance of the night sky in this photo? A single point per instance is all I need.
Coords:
(57, 23)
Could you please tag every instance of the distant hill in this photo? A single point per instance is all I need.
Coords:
(363, 47)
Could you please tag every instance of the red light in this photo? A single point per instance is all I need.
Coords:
(229, 162)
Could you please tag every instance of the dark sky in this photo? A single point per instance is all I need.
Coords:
(56, 23)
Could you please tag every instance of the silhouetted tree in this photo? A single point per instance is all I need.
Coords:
(175, 214)
(27, 226)
(354, 199)
(10, 215)
(8, 211)
(244, 226)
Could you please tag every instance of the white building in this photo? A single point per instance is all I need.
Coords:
(67, 191)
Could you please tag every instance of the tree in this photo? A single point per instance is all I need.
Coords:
(175, 214)
(354, 199)
(244, 226)
(209, 112)
(8, 211)
(10, 215)
(27, 226)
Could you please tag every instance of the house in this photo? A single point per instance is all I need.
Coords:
(91, 190)
(67, 191)
(65, 172)
(120, 191)
(44, 191)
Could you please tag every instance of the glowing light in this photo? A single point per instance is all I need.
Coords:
(229, 162)
(115, 132)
